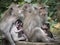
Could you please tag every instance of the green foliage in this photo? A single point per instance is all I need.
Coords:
(4, 5)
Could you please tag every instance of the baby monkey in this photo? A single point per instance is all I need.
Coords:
(46, 28)
(17, 31)
(21, 33)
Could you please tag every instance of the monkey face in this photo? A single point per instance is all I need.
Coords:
(43, 10)
(19, 25)
(16, 11)
(44, 27)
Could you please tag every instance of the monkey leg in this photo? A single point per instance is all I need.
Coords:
(8, 36)
(7, 33)
(39, 34)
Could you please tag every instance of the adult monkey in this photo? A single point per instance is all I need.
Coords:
(8, 18)
(34, 18)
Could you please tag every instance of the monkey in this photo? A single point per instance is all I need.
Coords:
(7, 20)
(33, 22)
(46, 28)
(21, 32)
(17, 31)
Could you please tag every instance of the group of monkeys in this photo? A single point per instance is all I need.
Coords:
(32, 27)
(18, 34)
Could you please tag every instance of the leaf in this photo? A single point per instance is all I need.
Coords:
(29, 1)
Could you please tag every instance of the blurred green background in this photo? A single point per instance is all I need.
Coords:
(53, 11)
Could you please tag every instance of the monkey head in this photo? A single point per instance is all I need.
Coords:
(45, 26)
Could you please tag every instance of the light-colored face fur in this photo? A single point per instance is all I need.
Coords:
(43, 10)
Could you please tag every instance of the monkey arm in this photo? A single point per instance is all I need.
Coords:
(22, 38)
(25, 37)
(19, 30)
